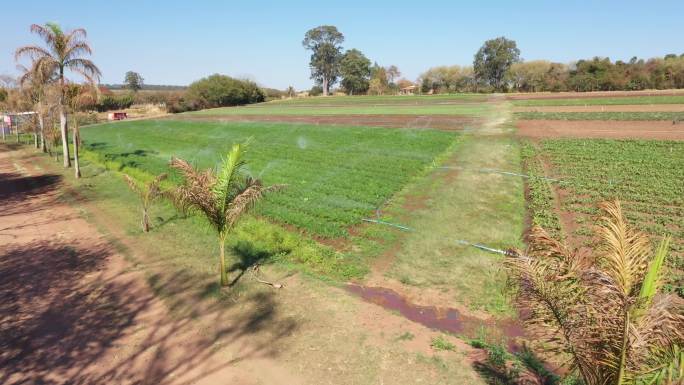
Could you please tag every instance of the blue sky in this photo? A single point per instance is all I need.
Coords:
(176, 42)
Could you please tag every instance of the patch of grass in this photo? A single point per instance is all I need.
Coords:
(334, 175)
(406, 336)
(441, 343)
(486, 208)
(631, 100)
(672, 116)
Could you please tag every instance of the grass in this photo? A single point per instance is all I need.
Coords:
(441, 343)
(335, 175)
(471, 109)
(664, 99)
(645, 175)
(485, 208)
(673, 116)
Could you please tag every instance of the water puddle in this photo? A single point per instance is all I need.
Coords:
(447, 320)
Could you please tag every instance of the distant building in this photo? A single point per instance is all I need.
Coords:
(408, 90)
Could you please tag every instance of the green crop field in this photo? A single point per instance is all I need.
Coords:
(334, 175)
(360, 109)
(645, 175)
(665, 99)
(674, 116)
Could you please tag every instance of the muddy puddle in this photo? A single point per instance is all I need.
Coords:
(446, 320)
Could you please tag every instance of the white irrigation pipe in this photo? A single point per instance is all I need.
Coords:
(497, 172)
(459, 241)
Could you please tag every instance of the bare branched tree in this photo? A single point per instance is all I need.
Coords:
(148, 194)
(602, 309)
(222, 196)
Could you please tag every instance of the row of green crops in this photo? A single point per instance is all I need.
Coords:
(540, 195)
(647, 176)
(334, 175)
(536, 115)
(631, 100)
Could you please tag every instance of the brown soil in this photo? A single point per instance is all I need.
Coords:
(605, 108)
(595, 94)
(659, 130)
(74, 311)
(441, 122)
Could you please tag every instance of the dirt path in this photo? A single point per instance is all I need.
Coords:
(74, 311)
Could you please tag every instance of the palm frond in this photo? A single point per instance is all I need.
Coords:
(246, 198)
(624, 251)
(132, 184)
(76, 49)
(229, 173)
(83, 66)
(32, 51)
(46, 32)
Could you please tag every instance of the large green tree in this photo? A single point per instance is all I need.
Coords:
(493, 60)
(63, 52)
(355, 69)
(134, 81)
(324, 42)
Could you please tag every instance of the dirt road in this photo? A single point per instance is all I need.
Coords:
(74, 311)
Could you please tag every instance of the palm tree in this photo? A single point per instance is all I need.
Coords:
(148, 194)
(35, 81)
(222, 196)
(76, 96)
(602, 309)
(63, 52)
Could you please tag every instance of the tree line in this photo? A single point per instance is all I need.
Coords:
(497, 67)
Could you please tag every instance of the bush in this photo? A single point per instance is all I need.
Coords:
(316, 91)
(113, 102)
(221, 91)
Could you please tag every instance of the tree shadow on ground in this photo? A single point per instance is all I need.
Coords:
(66, 318)
(16, 188)
(248, 255)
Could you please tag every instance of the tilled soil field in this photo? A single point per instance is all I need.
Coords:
(660, 130)
(605, 108)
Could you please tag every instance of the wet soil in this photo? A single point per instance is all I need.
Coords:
(447, 320)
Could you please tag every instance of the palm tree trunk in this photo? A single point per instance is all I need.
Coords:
(41, 126)
(65, 136)
(222, 262)
(76, 139)
(145, 221)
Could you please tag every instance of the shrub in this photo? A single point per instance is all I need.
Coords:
(221, 91)
(113, 102)
(316, 91)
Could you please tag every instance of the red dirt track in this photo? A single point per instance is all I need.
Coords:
(659, 130)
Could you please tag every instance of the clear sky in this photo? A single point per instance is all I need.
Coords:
(176, 42)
